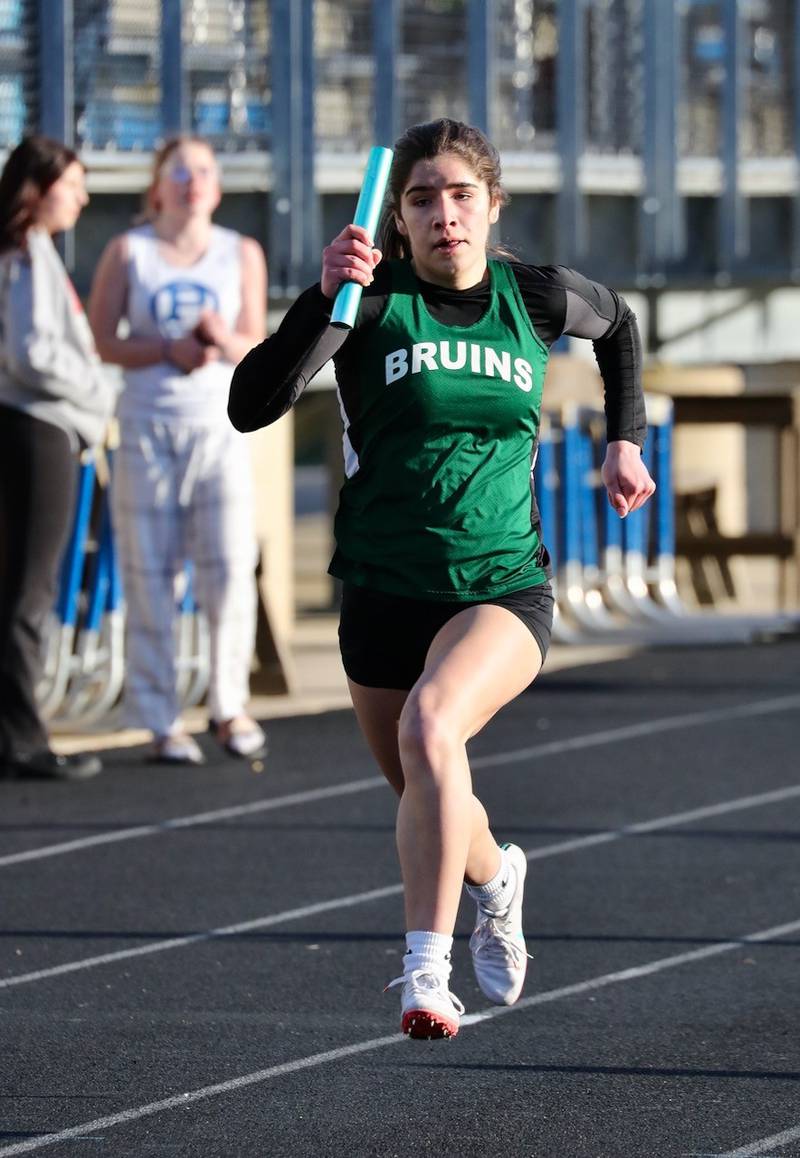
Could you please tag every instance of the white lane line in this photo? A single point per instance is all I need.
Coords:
(576, 743)
(648, 969)
(705, 812)
(559, 848)
(647, 728)
(180, 1100)
(763, 1144)
(311, 796)
(206, 935)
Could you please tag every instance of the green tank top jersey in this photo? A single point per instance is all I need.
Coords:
(441, 429)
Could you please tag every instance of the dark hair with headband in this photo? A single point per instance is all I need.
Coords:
(30, 169)
(425, 142)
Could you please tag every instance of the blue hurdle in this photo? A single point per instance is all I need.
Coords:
(615, 579)
(84, 668)
(59, 662)
(100, 649)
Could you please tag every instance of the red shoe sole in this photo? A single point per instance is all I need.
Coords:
(427, 1026)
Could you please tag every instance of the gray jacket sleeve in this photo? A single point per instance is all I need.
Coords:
(46, 346)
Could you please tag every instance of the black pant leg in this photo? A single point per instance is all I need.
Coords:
(37, 499)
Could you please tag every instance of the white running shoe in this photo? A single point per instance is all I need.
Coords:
(429, 1009)
(177, 748)
(241, 737)
(499, 956)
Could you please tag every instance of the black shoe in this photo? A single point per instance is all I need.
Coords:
(48, 766)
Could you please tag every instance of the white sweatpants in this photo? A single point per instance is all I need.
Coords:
(183, 494)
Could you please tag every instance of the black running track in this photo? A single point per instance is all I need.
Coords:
(193, 960)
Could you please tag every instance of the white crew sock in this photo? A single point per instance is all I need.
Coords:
(495, 896)
(426, 950)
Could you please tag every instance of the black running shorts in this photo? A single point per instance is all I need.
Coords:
(384, 639)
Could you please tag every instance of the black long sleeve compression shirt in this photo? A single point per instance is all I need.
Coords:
(558, 300)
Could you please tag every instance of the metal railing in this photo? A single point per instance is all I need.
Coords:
(652, 99)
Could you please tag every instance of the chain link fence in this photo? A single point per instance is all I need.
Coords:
(19, 70)
(226, 51)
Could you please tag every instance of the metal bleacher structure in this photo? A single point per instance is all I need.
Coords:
(650, 143)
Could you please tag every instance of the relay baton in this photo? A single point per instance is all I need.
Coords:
(368, 210)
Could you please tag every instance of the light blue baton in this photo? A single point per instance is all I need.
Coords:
(368, 210)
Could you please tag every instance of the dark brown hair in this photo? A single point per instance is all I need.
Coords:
(30, 169)
(424, 142)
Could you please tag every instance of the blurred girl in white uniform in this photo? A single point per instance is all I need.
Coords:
(194, 297)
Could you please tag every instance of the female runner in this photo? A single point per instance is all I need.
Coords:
(446, 608)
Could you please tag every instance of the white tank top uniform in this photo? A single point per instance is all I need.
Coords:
(166, 301)
(182, 487)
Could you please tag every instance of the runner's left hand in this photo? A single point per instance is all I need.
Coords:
(626, 478)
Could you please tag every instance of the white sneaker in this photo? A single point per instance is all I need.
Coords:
(497, 944)
(240, 737)
(429, 1009)
(178, 748)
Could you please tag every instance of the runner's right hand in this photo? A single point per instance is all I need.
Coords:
(350, 257)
